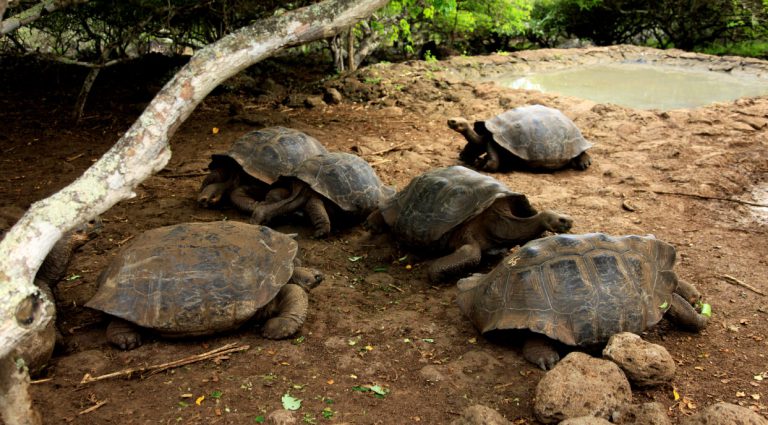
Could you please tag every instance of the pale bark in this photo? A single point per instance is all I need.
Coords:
(140, 152)
(12, 23)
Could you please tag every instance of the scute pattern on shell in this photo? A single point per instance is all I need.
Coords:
(578, 289)
(270, 152)
(542, 136)
(439, 200)
(196, 278)
(345, 179)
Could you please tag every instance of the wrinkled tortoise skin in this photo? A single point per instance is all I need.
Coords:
(577, 289)
(196, 278)
(433, 204)
(543, 137)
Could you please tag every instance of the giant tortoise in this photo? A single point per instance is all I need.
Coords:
(253, 163)
(195, 279)
(332, 184)
(529, 136)
(580, 290)
(463, 213)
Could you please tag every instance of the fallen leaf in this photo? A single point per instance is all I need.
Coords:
(215, 130)
(329, 382)
(290, 403)
(675, 394)
(755, 396)
(740, 394)
(199, 400)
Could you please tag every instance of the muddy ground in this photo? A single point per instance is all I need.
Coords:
(686, 176)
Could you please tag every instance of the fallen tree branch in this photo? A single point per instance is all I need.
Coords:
(705, 197)
(12, 23)
(92, 408)
(225, 349)
(735, 281)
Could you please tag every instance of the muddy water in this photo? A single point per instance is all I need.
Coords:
(642, 86)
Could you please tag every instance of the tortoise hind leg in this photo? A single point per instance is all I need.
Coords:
(123, 334)
(466, 257)
(291, 305)
(539, 350)
(682, 313)
(582, 161)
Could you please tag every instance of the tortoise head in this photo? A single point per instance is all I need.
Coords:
(556, 222)
(307, 277)
(85, 232)
(212, 194)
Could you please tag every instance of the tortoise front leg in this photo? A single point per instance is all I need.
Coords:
(242, 200)
(318, 215)
(682, 313)
(375, 222)
(291, 307)
(465, 257)
(123, 334)
(539, 350)
(492, 160)
(582, 161)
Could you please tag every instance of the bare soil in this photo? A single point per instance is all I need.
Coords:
(686, 176)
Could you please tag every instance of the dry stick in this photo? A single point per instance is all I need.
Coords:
(92, 408)
(225, 349)
(389, 149)
(694, 195)
(740, 283)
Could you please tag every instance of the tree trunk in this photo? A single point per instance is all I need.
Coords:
(139, 153)
(34, 13)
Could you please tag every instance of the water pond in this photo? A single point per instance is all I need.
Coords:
(641, 86)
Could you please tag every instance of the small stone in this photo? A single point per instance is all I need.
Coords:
(332, 96)
(644, 363)
(281, 417)
(725, 414)
(581, 385)
(641, 414)
(480, 415)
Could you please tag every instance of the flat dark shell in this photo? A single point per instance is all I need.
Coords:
(268, 153)
(436, 202)
(578, 289)
(345, 179)
(541, 136)
(196, 278)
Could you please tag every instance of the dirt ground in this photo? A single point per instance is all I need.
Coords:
(686, 176)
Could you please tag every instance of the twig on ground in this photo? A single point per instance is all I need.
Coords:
(40, 381)
(92, 408)
(389, 149)
(398, 289)
(121, 242)
(72, 158)
(735, 281)
(225, 349)
(705, 197)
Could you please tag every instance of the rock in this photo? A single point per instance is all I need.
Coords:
(581, 385)
(281, 417)
(585, 420)
(725, 414)
(431, 374)
(480, 415)
(641, 414)
(332, 96)
(314, 102)
(644, 363)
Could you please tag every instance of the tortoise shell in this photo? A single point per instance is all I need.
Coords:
(541, 136)
(577, 289)
(436, 202)
(196, 278)
(345, 179)
(267, 153)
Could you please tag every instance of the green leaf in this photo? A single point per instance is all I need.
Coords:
(216, 394)
(73, 277)
(361, 389)
(380, 269)
(183, 404)
(706, 310)
(259, 419)
(664, 305)
(403, 258)
(429, 340)
(290, 403)
(379, 390)
(355, 258)
(299, 340)
(327, 413)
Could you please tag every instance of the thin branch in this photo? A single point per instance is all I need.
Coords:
(735, 281)
(225, 349)
(705, 197)
(34, 13)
